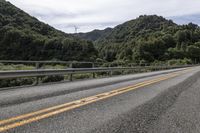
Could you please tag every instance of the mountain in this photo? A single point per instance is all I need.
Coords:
(95, 34)
(148, 39)
(23, 37)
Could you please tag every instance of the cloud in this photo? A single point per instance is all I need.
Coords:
(194, 18)
(99, 14)
(85, 27)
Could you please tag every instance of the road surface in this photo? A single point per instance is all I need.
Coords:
(156, 102)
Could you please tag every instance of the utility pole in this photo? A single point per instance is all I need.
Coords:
(76, 29)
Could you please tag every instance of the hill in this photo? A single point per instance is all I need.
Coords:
(95, 34)
(146, 39)
(150, 39)
(23, 37)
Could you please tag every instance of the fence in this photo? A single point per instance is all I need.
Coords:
(71, 71)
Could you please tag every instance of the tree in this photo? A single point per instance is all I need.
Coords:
(194, 53)
(23, 37)
(175, 53)
(183, 36)
(169, 41)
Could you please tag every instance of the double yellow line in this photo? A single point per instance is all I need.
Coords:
(48, 112)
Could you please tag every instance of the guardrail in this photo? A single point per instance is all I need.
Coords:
(71, 71)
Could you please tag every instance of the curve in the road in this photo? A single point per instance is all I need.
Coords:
(48, 112)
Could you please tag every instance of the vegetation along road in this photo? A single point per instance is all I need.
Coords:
(165, 101)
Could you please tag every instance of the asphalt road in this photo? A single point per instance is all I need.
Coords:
(157, 102)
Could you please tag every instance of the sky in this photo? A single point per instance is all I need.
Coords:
(88, 15)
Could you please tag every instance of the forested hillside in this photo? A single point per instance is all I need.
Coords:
(147, 39)
(95, 34)
(150, 39)
(23, 37)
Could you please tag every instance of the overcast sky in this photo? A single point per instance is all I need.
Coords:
(99, 14)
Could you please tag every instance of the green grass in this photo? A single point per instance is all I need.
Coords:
(15, 67)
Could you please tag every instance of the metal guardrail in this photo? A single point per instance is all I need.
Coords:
(48, 72)
(70, 71)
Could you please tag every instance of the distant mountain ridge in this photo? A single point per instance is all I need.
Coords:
(149, 38)
(150, 19)
(95, 34)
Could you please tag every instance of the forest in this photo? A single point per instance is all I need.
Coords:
(23, 37)
(150, 39)
(146, 39)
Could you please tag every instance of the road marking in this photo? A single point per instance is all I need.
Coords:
(38, 115)
(57, 107)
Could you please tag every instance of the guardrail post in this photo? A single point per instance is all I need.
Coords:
(111, 72)
(93, 74)
(37, 66)
(71, 75)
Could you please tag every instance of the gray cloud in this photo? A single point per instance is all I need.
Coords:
(194, 18)
(99, 14)
(85, 27)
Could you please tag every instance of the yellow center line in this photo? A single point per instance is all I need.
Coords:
(38, 115)
(61, 106)
(53, 108)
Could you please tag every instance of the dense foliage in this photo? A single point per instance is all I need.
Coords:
(23, 37)
(95, 34)
(149, 39)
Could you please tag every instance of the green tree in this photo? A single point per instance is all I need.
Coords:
(194, 53)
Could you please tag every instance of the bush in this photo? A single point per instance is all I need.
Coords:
(82, 76)
(180, 62)
(48, 79)
(15, 67)
(16, 82)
